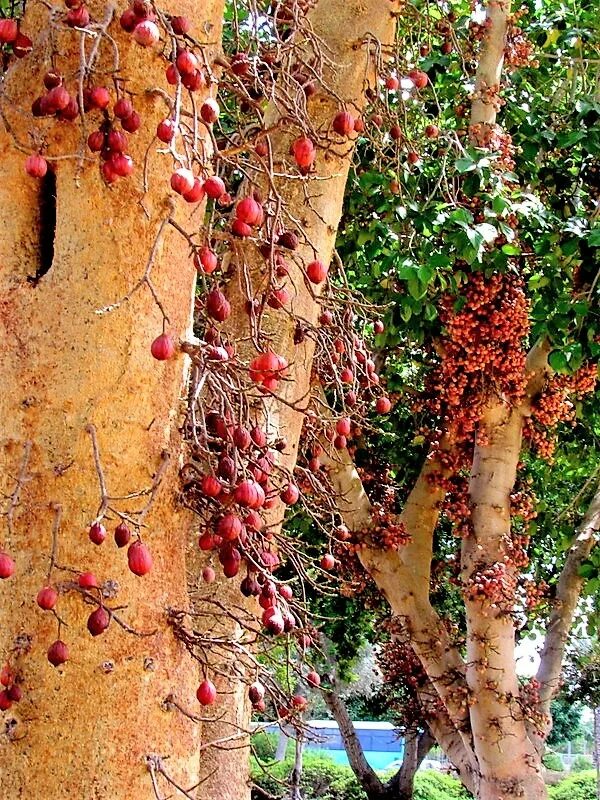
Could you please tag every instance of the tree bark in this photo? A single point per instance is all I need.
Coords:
(93, 727)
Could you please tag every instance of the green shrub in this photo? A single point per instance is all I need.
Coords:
(581, 764)
(581, 786)
(433, 785)
(264, 745)
(553, 761)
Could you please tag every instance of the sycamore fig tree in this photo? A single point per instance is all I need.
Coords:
(186, 356)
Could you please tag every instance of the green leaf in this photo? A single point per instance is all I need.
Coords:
(558, 361)
(463, 165)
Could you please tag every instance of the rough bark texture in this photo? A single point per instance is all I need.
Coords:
(87, 728)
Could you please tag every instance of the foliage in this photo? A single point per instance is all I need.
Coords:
(553, 761)
(566, 720)
(577, 787)
(582, 764)
(434, 785)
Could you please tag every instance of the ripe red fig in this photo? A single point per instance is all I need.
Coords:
(95, 141)
(139, 558)
(163, 347)
(97, 533)
(343, 123)
(419, 78)
(116, 141)
(123, 108)
(98, 621)
(206, 693)
(304, 152)
(343, 426)
(122, 535)
(209, 111)
(22, 45)
(392, 83)
(186, 62)
(57, 99)
(78, 17)
(99, 97)
(313, 678)
(36, 166)
(245, 494)
(249, 211)
(165, 130)
(193, 80)
(327, 562)
(87, 580)
(273, 620)
(128, 20)
(259, 437)
(208, 575)
(146, 33)
(47, 597)
(256, 692)
(290, 494)
(131, 123)
(211, 486)
(286, 592)
(242, 438)
(340, 442)
(217, 305)
(5, 701)
(180, 25)
(182, 180)
(279, 298)
(8, 31)
(383, 405)
(412, 157)
(432, 131)
(241, 229)
(299, 702)
(207, 541)
(214, 187)
(230, 527)
(206, 259)
(15, 693)
(58, 653)
(196, 193)
(346, 375)
(378, 326)
(316, 272)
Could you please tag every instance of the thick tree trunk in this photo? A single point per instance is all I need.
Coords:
(91, 728)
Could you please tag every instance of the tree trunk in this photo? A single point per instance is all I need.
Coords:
(72, 379)
(416, 746)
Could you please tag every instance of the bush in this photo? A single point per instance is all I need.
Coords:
(553, 761)
(577, 787)
(581, 764)
(432, 785)
(264, 745)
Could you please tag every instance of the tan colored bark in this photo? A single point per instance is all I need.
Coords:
(87, 728)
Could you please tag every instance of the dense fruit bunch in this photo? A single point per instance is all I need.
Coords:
(494, 586)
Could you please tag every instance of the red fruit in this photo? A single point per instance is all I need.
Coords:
(5, 701)
(286, 592)
(206, 693)
(342, 533)
(304, 153)
(327, 562)
(256, 692)
(290, 494)
(346, 375)
(299, 702)
(211, 486)
(326, 318)
(214, 187)
(99, 97)
(172, 75)
(230, 527)
(8, 31)
(432, 131)
(419, 78)
(254, 521)
(78, 17)
(396, 132)
(412, 157)
(206, 260)
(95, 141)
(344, 426)
(182, 180)
(359, 125)
(122, 535)
(14, 693)
(378, 326)
(313, 678)
(273, 620)
(231, 565)
(116, 141)
(163, 347)
(180, 25)
(196, 193)
(242, 438)
(131, 123)
(146, 33)
(6, 675)
(47, 597)
(123, 108)
(259, 437)
(208, 575)
(165, 130)
(58, 653)
(316, 272)
(217, 305)
(139, 558)
(343, 123)
(98, 621)
(193, 80)
(383, 405)
(186, 62)
(87, 580)
(22, 45)
(70, 112)
(249, 211)
(392, 83)
(241, 229)
(128, 20)
(245, 494)
(240, 65)
(122, 165)
(97, 533)
(36, 166)
(209, 111)
(207, 541)
(340, 442)
(57, 99)
(261, 148)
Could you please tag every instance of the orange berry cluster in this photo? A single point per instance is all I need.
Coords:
(494, 586)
